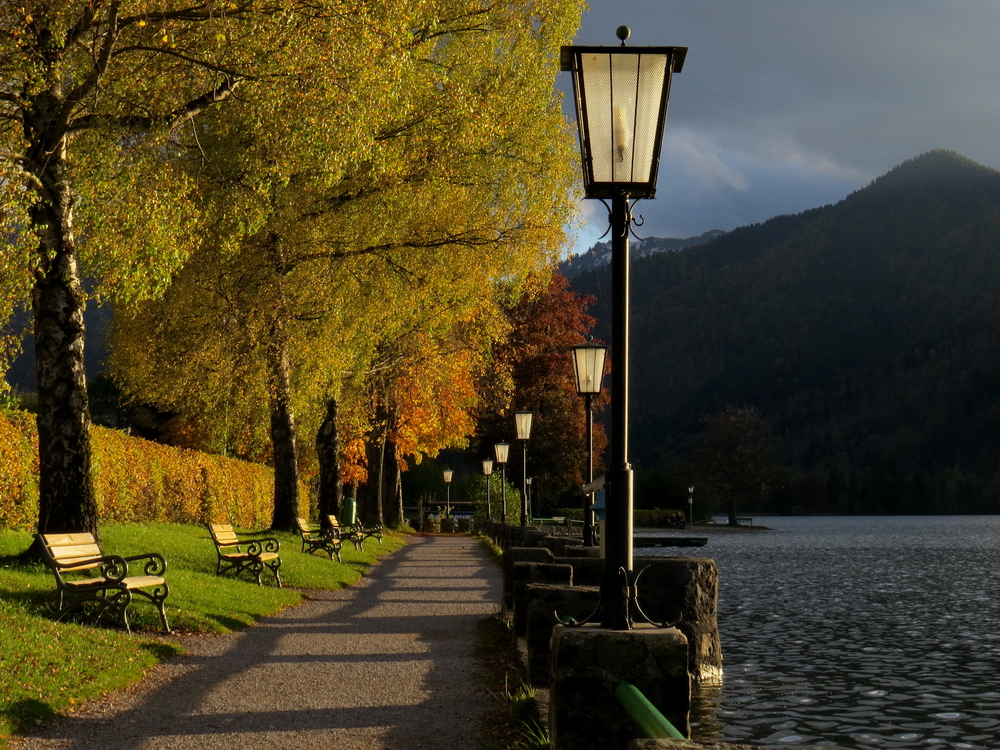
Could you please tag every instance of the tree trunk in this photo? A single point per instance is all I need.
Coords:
(331, 483)
(286, 470)
(394, 495)
(66, 501)
(383, 485)
(367, 493)
(65, 489)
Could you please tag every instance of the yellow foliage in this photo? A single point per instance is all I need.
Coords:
(138, 481)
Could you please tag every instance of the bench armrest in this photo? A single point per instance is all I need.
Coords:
(154, 564)
(267, 544)
(113, 567)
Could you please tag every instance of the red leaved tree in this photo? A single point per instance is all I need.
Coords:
(533, 370)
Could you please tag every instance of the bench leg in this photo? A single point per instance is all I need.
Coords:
(158, 596)
(274, 569)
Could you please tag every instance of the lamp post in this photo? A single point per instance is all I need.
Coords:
(522, 421)
(621, 101)
(500, 450)
(691, 504)
(447, 483)
(488, 473)
(588, 366)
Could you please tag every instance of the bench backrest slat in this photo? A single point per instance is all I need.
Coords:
(223, 534)
(303, 526)
(333, 522)
(67, 549)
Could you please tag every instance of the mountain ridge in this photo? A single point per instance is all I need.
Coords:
(599, 255)
(866, 331)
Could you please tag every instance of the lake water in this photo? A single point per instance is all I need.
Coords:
(859, 632)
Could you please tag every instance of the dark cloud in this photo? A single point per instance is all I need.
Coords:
(784, 105)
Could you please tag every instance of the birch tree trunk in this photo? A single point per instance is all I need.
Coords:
(66, 492)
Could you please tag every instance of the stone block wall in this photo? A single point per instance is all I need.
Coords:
(588, 663)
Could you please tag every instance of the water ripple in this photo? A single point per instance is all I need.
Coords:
(858, 633)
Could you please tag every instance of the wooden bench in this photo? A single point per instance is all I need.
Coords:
(323, 540)
(357, 533)
(349, 534)
(363, 532)
(112, 587)
(259, 553)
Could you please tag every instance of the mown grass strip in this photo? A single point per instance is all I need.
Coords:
(46, 667)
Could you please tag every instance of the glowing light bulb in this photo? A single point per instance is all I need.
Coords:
(621, 133)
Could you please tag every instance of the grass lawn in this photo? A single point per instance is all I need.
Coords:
(47, 666)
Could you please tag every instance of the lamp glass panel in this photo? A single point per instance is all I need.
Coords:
(588, 364)
(487, 466)
(522, 421)
(447, 476)
(623, 92)
(501, 451)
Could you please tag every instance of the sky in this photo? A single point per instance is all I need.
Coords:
(786, 105)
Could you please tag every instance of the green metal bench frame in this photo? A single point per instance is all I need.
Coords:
(324, 540)
(259, 553)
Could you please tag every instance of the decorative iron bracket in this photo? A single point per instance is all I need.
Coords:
(630, 591)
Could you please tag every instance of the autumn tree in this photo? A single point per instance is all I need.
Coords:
(342, 226)
(95, 97)
(532, 370)
(734, 457)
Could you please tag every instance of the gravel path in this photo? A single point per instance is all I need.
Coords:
(387, 664)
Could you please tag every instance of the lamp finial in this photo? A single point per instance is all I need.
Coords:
(623, 33)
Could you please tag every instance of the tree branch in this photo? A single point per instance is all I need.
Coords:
(172, 119)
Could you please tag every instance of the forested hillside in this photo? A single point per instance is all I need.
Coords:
(867, 332)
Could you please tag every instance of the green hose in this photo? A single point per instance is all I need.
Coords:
(644, 713)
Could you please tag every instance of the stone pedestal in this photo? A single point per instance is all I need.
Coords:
(513, 555)
(588, 663)
(685, 587)
(579, 550)
(545, 601)
(587, 570)
(526, 573)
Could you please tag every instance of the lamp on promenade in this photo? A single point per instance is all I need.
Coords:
(447, 483)
(522, 422)
(621, 102)
(488, 473)
(588, 366)
(500, 450)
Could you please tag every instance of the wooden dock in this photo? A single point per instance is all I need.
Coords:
(669, 541)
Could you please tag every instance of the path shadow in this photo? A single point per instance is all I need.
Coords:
(387, 664)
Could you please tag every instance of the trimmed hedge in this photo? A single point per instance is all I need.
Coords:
(138, 481)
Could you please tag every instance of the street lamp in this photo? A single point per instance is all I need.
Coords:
(621, 102)
(691, 504)
(488, 473)
(522, 421)
(447, 483)
(588, 366)
(500, 450)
